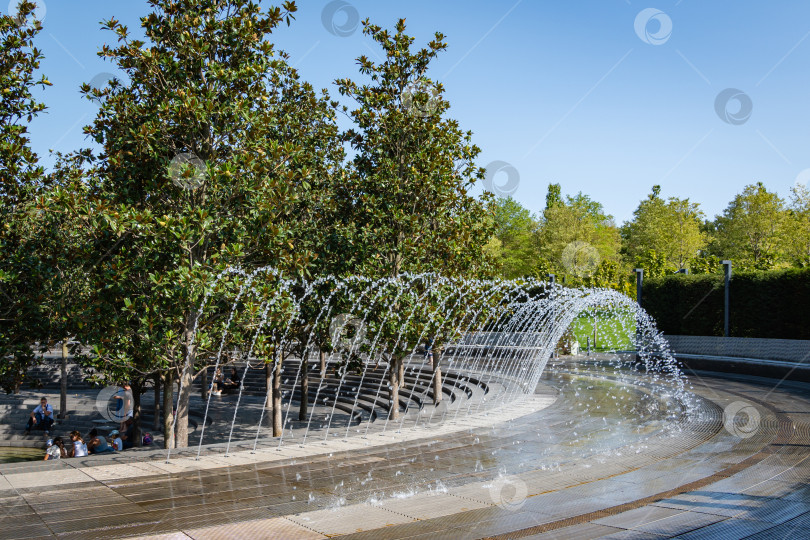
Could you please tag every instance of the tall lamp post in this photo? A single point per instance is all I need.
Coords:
(639, 281)
(726, 278)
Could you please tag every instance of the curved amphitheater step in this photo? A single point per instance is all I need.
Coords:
(46, 374)
(351, 402)
(366, 393)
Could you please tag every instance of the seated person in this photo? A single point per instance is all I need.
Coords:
(97, 444)
(116, 441)
(79, 448)
(56, 449)
(217, 383)
(232, 382)
(128, 437)
(41, 416)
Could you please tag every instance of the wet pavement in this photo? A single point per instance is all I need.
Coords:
(614, 456)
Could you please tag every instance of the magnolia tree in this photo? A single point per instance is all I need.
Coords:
(213, 154)
(25, 306)
(408, 192)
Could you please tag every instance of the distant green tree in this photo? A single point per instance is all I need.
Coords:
(669, 228)
(516, 235)
(797, 227)
(750, 230)
(705, 264)
(554, 196)
(653, 263)
(610, 274)
(576, 234)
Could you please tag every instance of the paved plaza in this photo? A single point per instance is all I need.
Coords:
(593, 454)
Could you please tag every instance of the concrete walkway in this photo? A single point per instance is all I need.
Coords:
(612, 455)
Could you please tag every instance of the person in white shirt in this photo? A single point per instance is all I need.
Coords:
(79, 447)
(42, 417)
(56, 449)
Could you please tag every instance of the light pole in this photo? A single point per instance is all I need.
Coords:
(639, 281)
(727, 278)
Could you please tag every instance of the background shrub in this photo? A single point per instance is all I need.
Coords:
(764, 304)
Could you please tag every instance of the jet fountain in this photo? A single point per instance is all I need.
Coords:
(359, 355)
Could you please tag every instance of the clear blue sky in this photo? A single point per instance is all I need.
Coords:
(565, 91)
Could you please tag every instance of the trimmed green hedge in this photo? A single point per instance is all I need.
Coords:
(771, 304)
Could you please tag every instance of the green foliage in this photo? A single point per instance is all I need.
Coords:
(685, 304)
(24, 299)
(653, 263)
(797, 227)
(517, 253)
(750, 230)
(554, 196)
(770, 304)
(663, 235)
(610, 275)
(762, 304)
(258, 153)
(408, 197)
(574, 240)
(706, 264)
(19, 61)
(579, 225)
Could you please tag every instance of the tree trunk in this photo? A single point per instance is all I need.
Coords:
(323, 364)
(401, 374)
(393, 391)
(136, 412)
(268, 379)
(182, 410)
(156, 423)
(302, 411)
(168, 409)
(64, 381)
(437, 375)
(186, 380)
(277, 398)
